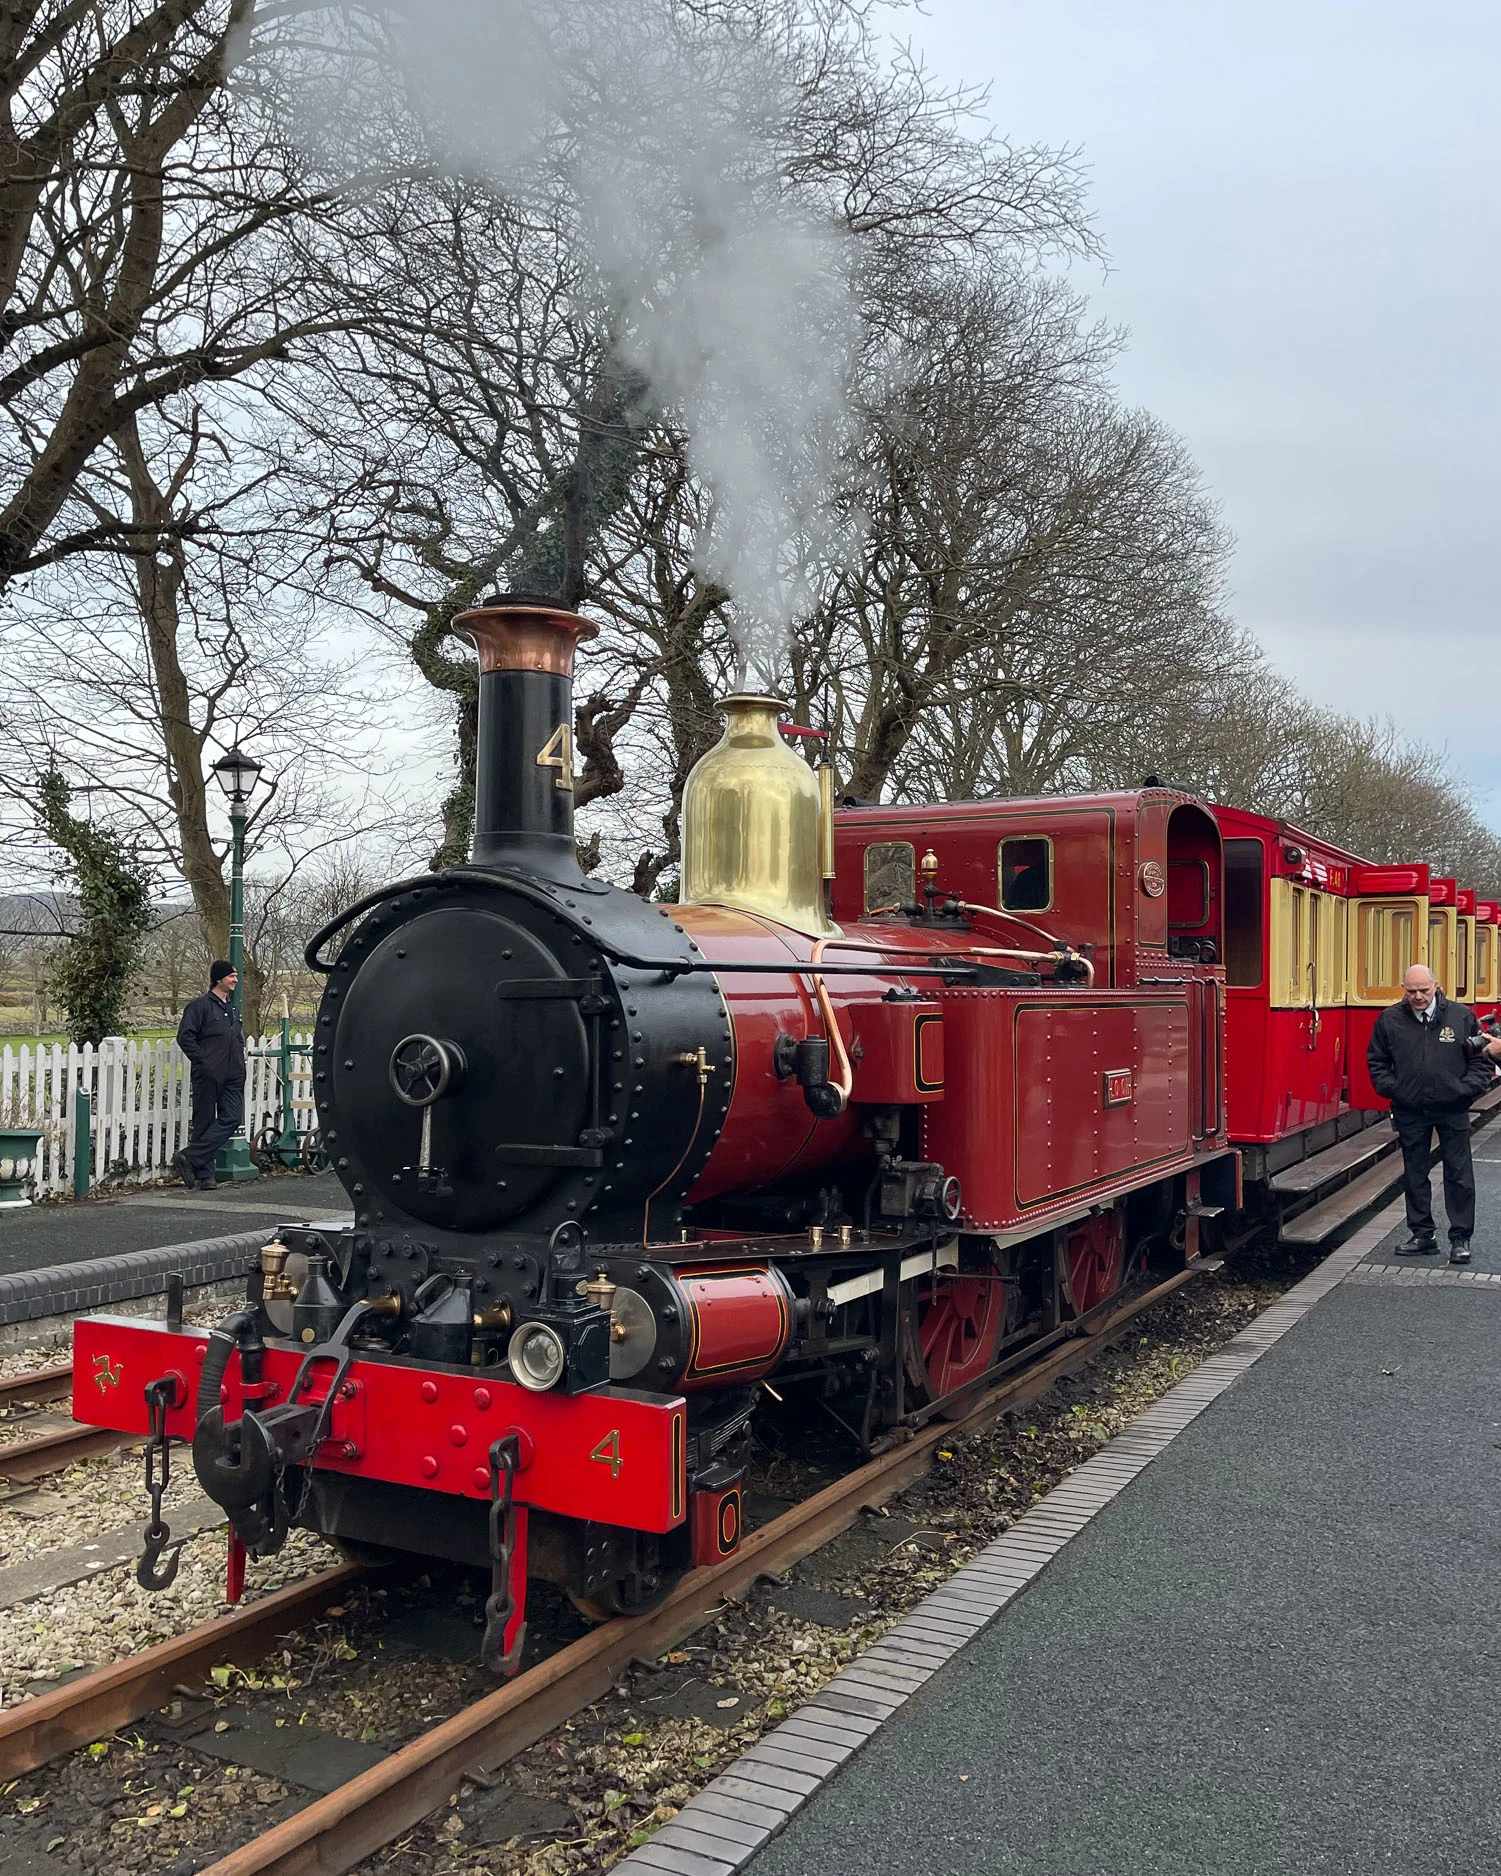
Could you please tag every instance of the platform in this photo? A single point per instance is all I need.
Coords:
(73, 1231)
(1257, 1633)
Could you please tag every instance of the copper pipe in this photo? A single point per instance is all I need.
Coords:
(1075, 957)
(995, 911)
(698, 1060)
(846, 1075)
(969, 951)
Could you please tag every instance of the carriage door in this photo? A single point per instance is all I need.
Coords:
(1442, 955)
(1464, 948)
(1483, 957)
(1387, 934)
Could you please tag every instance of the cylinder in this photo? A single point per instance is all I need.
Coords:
(523, 766)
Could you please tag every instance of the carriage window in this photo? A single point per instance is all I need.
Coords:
(890, 875)
(1484, 982)
(1438, 945)
(1332, 956)
(1386, 946)
(1300, 948)
(1243, 924)
(1026, 875)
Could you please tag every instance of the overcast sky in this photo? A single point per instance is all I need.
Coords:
(1300, 203)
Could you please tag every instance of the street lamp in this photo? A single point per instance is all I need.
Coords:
(237, 774)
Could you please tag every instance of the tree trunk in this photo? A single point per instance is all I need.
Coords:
(160, 577)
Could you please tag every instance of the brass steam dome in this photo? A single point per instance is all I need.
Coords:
(751, 818)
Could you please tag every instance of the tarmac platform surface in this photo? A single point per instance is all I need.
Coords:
(1277, 1649)
(70, 1232)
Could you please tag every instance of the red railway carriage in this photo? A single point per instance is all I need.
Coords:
(1286, 917)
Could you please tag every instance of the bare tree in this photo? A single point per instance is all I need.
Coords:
(531, 457)
(141, 207)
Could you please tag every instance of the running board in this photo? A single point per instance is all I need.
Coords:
(1321, 1221)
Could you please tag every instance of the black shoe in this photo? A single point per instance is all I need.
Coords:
(1459, 1250)
(183, 1168)
(212, 1185)
(1417, 1246)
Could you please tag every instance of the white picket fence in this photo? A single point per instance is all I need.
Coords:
(141, 1103)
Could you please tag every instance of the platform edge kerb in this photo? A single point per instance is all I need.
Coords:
(991, 1581)
(68, 1289)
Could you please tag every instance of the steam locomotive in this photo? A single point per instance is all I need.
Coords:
(887, 1100)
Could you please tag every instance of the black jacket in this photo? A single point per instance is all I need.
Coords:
(209, 1036)
(1426, 1067)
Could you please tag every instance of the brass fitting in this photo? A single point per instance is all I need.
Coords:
(815, 1237)
(698, 1060)
(278, 1287)
(601, 1292)
(496, 1317)
(388, 1305)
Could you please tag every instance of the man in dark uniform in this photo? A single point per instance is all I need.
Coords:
(209, 1036)
(1422, 1059)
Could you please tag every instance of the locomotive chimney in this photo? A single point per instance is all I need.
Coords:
(523, 764)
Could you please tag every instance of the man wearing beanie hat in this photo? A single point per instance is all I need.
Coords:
(209, 1036)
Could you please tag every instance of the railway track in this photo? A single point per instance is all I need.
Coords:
(336, 1832)
(26, 1461)
(41, 1385)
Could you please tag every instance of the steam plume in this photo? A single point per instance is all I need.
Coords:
(732, 298)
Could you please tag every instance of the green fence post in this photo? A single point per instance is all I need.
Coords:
(83, 1146)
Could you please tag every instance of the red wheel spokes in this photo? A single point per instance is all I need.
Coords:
(959, 1329)
(1096, 1255)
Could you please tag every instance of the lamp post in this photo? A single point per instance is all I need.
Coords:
(237, 774)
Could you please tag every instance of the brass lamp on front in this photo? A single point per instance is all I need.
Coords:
(751, 817)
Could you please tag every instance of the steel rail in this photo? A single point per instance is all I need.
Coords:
(29, 1460)
(42, 1384)
(95, 1704)
(337, 1832)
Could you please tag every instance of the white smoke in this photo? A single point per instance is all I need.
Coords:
(732, 297)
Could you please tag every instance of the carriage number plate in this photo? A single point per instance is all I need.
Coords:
(1117, 1087)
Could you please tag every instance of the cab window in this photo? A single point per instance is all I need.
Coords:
(1026, 868)
(1187, 895)
(890, 875)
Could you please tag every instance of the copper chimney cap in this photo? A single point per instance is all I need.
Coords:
(523, 632)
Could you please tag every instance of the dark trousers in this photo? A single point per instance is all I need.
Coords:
(217, 1109)
(1416, 1131)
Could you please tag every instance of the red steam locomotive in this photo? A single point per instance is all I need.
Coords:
(890, 1097)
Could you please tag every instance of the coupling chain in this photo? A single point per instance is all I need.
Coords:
(500, 1605)
(154, 1571)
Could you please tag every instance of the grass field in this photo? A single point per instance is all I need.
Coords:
(53, 1037)
(22, 1039)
